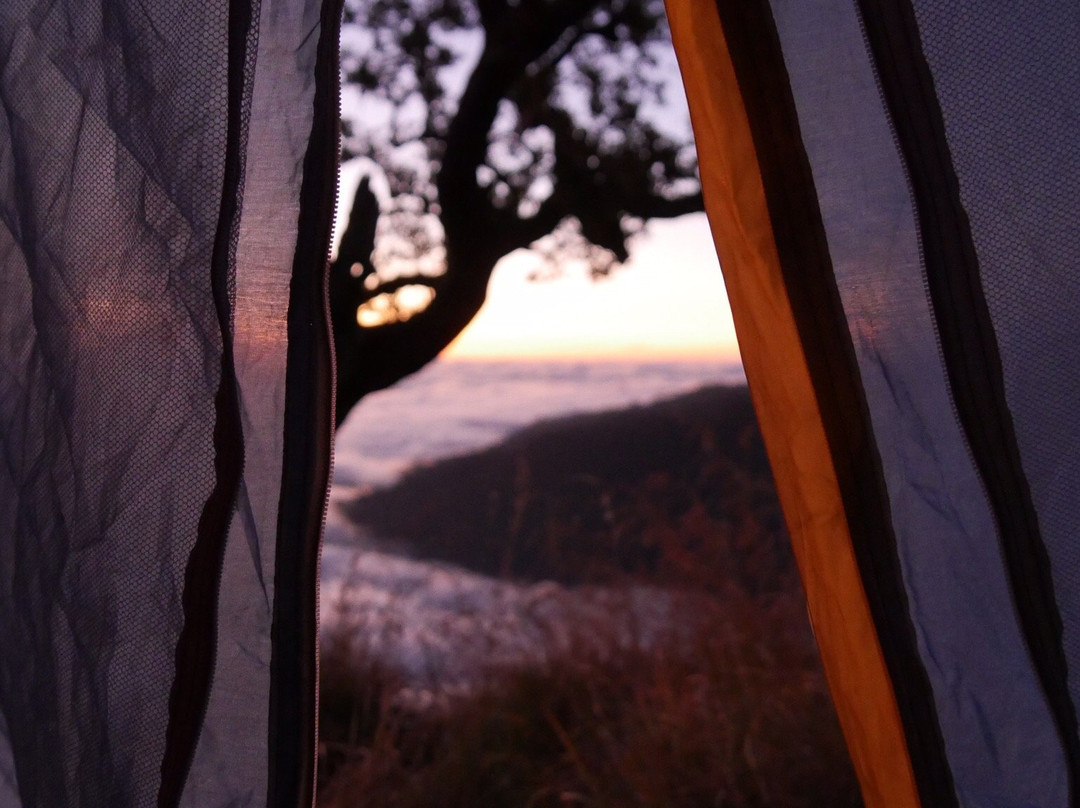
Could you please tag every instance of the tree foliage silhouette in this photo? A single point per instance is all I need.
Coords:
(499, 125)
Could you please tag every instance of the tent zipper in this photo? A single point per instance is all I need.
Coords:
(329, 347)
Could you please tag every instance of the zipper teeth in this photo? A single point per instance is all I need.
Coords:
(336, 20)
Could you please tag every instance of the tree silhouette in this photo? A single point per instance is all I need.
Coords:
(499, 125)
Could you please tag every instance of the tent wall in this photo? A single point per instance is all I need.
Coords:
(1017, 159)
(925, 291)
(166, 195)
(777, 370)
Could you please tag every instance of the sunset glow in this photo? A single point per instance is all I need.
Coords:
(667, 302)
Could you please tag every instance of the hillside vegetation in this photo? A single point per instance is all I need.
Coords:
(677, 493)
(727, 709)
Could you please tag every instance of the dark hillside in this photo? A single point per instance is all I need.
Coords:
(678, 492)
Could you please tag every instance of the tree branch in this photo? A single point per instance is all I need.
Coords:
(658, 207)
(520, 37)
(525, 41)
(511, 232)
(371, 359)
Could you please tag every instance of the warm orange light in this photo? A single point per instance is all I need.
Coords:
(667, 303)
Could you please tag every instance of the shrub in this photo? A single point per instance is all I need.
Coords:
(732, 713)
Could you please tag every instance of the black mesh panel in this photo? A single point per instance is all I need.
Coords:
(112, 147)
(1008, 79)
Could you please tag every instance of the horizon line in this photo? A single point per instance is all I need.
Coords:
(719, 356)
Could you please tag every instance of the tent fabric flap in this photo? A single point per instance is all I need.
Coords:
(919, 177)
(777, 370)
(164, 221)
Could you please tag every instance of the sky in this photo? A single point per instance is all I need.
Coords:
(668, 301)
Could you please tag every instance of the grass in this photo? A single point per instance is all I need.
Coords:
(734, 713)
(730, 710)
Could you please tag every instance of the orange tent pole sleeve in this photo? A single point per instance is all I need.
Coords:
(787, 409)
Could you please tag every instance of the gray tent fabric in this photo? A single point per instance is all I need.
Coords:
(167, 177)
(955, 578)
(920, 167)
(1017, 154)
